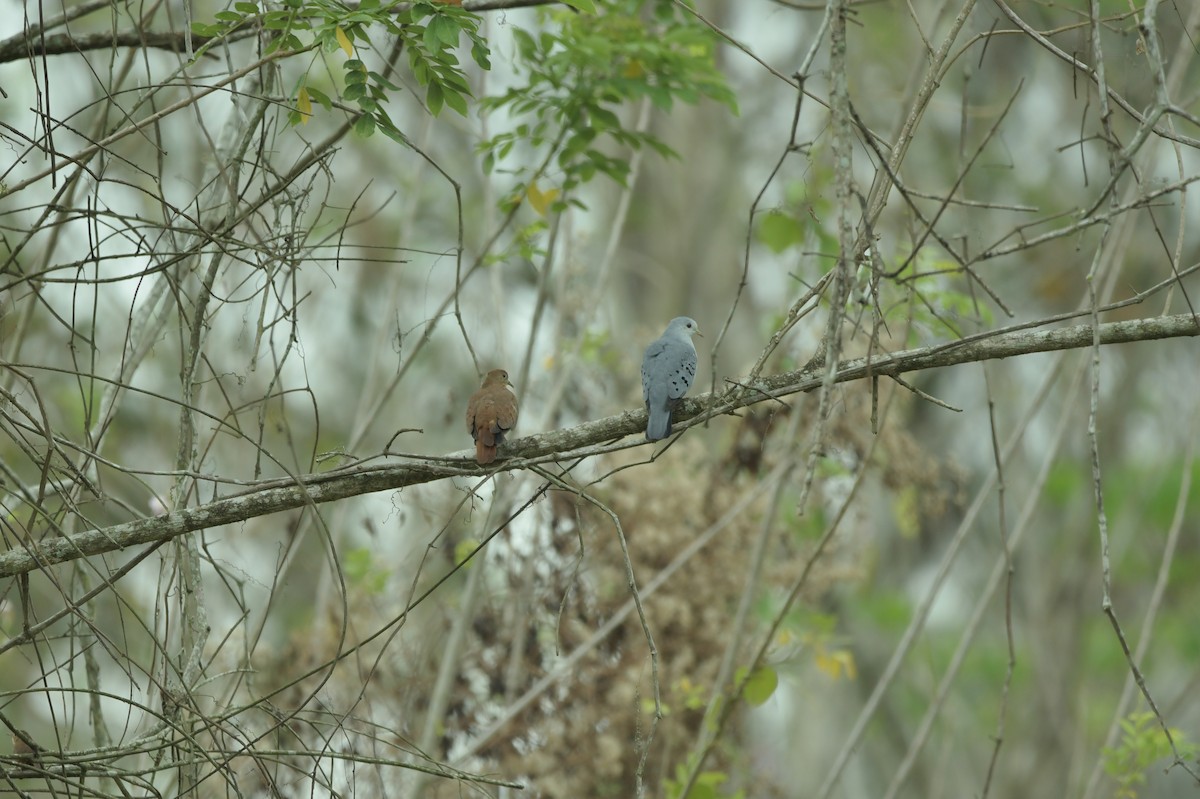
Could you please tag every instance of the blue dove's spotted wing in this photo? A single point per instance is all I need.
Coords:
(683, 355)
(667, 372)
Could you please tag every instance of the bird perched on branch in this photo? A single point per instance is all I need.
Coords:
(667, 371)
(24, 747)
(491, 414)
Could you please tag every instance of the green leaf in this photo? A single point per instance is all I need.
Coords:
(359, 566)
(384, 82)
(356, 563)
(660, 97)
(228, 16)
(577, 143)
(418, 11)
(393, 134)
(276, 20)
(245, 7)
(365, 126)
(481, 54)
(456, 101)
(320, 97)
(384, 123)
(586, 6)
(526, 47)
(444, 32)
(661, 148)
(603, 118)
(434, 98)
(779, 231)
(446, 58)
(454, 80)
(761, 686)
(420, 68)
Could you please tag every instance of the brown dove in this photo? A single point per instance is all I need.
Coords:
(491, 413)
(24, 747)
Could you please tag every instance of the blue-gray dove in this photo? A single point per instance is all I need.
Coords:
(667, 371)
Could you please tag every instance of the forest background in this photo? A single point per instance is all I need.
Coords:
(930, 526)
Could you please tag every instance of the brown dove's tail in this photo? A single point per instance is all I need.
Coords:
(483, 453)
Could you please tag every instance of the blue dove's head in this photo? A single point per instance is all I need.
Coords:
(683, 327)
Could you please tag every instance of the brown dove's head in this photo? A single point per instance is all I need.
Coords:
(496, 377)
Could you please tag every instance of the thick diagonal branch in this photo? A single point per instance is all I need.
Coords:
(281, 495)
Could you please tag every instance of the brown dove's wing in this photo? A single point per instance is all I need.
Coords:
(482, 427)
(485, 419)
(471, 406)
(485, 452)
(506, 412)
(486, 427)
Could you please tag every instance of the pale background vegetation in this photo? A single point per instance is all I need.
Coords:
(868, 589)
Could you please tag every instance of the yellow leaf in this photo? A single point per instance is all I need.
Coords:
(907, 513)
(304, 105)
(540, 200)
(837, 664)
(344, 41)
(648, 707)
(633, 70)
(464, 549)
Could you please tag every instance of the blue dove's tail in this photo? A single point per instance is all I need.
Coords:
(659, 424)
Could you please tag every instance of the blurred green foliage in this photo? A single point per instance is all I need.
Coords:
(580, 72)
(1142, 744)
